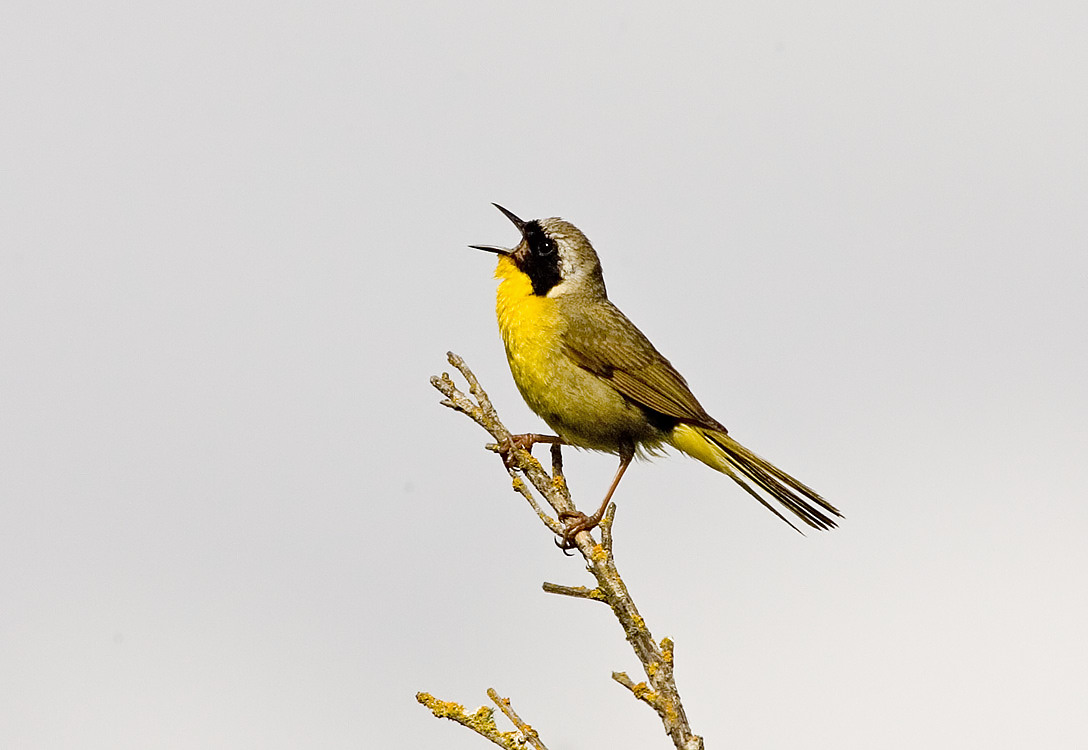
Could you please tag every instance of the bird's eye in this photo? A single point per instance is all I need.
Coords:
(540, 244)
(541, 263)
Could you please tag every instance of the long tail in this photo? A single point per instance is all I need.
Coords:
(719, 451)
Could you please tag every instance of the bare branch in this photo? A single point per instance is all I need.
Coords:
(530, 734)
(482, 721)
(659, 691)
(578, 592)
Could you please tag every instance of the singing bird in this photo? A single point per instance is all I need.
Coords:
(600, 384)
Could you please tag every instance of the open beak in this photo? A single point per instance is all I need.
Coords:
(515, 220)
(502, 250)
(491, 249)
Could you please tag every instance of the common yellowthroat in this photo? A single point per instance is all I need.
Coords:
(598, 381)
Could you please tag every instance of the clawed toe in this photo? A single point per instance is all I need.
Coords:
(576, 522)
(525, 442)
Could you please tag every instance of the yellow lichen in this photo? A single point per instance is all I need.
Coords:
(643, 692)
(666, 650)
(483, 721)
(441, 709)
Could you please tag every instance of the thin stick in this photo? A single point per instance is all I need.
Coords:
(659, 691)
(530, 734)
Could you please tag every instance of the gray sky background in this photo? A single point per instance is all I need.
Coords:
(233, 249)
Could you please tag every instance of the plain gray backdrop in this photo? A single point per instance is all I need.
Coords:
(233, 249)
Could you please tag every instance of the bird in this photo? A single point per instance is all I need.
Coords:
(598, 382)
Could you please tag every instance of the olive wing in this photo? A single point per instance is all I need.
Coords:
(605, 342)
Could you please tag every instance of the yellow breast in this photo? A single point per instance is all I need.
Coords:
(531, 330)
(582, 408)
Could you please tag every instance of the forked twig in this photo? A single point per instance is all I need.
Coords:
(659, 690)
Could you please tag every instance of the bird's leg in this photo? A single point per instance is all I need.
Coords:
(526, 441)
(577, 521)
